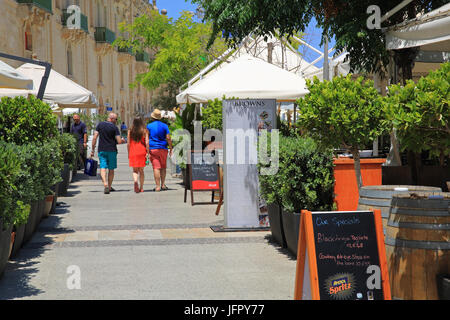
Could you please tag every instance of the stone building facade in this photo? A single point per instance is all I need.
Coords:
(38, 29)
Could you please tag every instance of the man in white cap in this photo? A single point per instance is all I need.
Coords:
(159, 138)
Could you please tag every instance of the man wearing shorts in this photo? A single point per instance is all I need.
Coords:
(107, 149)
(159, 138)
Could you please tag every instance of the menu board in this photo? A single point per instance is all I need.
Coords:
(204, 176)
(346, 256)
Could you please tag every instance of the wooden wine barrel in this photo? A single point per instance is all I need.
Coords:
(418, 244)
(379, 197)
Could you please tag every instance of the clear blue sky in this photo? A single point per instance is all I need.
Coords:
(313, 34)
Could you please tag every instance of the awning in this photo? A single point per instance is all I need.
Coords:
(60, 90)
(246, 78)
(12, 79)
(430, 32)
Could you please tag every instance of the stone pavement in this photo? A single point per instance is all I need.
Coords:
(150, 245)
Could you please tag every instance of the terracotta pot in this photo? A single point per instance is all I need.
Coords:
(18, 240)
(11, 243)
(48, 205)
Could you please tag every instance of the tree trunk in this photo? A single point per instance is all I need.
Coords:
(356, 159)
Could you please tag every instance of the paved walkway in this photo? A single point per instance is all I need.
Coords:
(150, 245)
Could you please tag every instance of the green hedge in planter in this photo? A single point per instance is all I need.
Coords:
(26, 120)
(306, 179)
(68, 147)
(10, 167)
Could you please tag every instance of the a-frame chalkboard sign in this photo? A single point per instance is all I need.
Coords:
(341, 256)
(201, 177)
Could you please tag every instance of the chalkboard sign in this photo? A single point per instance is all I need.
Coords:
(203, 176)
(341, 256)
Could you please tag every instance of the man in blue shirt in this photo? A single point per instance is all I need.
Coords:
(159, 138)
(78, 128)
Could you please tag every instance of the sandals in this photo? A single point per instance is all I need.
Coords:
(154, 189)
(164, 188)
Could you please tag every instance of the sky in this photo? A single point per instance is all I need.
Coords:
(312, 36)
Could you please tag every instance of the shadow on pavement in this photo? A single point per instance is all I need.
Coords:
(271, 241)
(15, 282)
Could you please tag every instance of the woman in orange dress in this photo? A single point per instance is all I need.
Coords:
(138, 151)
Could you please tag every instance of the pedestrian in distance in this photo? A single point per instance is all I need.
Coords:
(123, 129)
(109, 137)
(78, 128)
(159, 139)
(138, 151)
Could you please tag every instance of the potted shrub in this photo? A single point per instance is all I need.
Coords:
(343, 113)
(52, 155)
(9, 169)
(420, 114)
(27, 122)
(309, 171)
(270, 191)
(68, 148)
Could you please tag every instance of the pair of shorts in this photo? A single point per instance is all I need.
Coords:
(108, 159)
(158, 158)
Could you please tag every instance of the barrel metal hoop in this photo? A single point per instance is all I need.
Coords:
(425, 204)
(413, 225)
(419, 212)
(384, 194)
(373, 202)
(414, 244)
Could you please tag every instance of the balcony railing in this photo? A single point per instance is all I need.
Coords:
(43, 4)
(104, 35)
(84, 20)
(128, 50)
(143, 57)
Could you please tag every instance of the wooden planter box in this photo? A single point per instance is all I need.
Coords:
(345, 188)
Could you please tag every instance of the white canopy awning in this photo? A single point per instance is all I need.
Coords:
(246, 77)
(59, 90)
(12, 79)
(430, 32)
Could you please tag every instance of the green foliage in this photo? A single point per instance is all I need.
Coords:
(26, 120)
(52, 155)
(309, 173)
(421, 114)
(68, 144)
(342, 113)
(178, 49)
(10, 165)
(212, 115)
(345, 20)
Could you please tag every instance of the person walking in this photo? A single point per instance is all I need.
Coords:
(109, 137)
(159, 138)
(78, 128)
(123, 129)
(138, 150)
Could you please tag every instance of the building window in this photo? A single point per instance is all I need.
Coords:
(69, 61)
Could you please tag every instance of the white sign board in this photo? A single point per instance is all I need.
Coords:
(242, 120)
